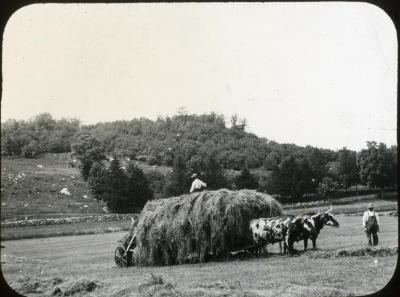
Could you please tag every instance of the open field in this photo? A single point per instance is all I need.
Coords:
(64, 229)
(76, 258)
(384, 207)
(30, 188)
(28, 263)
(358, 207)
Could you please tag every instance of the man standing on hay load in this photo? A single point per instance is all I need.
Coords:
(197, 184)
(370, 222)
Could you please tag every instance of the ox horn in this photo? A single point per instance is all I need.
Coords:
(330, 208)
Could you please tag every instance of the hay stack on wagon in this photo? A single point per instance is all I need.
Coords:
(172, 231)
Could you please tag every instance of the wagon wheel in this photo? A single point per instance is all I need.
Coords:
(120, 257)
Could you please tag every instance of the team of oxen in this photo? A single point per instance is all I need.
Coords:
(288, 229)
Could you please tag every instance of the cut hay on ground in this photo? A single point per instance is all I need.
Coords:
(54, 286)
(157, 287)
(368, 251)
(189, 227)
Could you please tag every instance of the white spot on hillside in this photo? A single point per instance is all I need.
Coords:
(65, 192)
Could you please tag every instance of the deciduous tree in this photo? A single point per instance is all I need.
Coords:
(246, 180)
(376, 165)
(347, 168)
(87, 150)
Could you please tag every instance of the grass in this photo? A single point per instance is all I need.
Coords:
(33, 192)
(29, 191)
(12, 233)
(74, 258)
(15, 233)
(357, 207)
(388, 196)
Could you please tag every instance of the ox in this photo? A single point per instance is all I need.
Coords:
(269, 231)
(300, 228)
(320, 220)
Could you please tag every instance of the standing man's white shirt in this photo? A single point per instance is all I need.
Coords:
(197, 185)
(368, 214)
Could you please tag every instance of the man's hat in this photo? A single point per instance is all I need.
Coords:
(194, 175)
(371, 205)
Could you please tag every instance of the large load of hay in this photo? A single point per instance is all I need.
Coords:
(190, 227)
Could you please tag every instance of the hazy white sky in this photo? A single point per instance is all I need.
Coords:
(322, 74)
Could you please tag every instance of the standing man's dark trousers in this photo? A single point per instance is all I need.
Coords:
(372, 231)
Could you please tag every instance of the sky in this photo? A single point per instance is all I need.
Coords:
(320, 74)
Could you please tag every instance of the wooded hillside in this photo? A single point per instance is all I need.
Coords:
(206, 144)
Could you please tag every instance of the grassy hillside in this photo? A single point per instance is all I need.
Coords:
(31, 188)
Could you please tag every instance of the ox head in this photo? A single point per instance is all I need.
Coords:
(328, 218)
(257, 227)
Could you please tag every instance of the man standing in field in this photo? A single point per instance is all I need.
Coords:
(197, 184)
(370, 222)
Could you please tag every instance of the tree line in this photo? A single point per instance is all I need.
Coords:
(142, 139)
(224, 157)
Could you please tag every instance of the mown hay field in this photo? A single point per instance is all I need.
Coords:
(88, 259)
(14, 233)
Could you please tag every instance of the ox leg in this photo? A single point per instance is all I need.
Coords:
(262, 249)
(291, 249)
(285, 247)
(314, 243)
(305, 243)
(258, 249)
(290, 246)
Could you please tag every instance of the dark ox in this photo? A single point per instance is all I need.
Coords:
(300, 228)
(269, 231)
(320, 220)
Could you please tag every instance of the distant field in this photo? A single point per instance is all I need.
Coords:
(76, 258)
(360, 206)
(30, 188)
(64, 230)
(10, 233)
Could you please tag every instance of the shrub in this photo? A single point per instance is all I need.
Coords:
(87, 150)
(246, 180)
(31, 150)
(123, 191)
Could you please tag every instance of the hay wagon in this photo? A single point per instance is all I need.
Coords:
(195, 227)
(123, 255)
